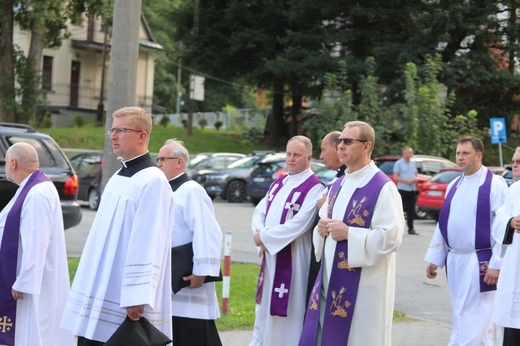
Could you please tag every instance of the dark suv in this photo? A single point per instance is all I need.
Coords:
(52, 161)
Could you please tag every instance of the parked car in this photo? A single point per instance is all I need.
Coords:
(230, 182)
(52, 161)
(427, 166)
(507, 174)
(214, 161)
(433, 192)
(89, 167)
(274, 167)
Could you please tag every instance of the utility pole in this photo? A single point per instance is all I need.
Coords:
(179, 93)
(101, 107)
(122, 75)
(191, 85)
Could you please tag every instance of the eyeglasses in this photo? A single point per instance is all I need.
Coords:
(121, 130)
(349, 141)
(515, 162)
(162, 159)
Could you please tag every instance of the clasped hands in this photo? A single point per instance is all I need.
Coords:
(515, 223)
(258, 241)
(336, 229)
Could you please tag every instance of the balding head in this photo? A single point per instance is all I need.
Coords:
(329, 150)
(21, 159)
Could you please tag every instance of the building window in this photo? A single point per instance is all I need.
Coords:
(47, 72)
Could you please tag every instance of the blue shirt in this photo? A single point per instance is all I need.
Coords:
(406, 171)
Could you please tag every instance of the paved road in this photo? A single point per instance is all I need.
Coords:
(415, 294)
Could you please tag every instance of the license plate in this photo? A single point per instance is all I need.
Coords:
(259, 179)
(434, 193)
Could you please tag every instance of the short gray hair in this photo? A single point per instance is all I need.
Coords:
(179, 150)
(305, 140)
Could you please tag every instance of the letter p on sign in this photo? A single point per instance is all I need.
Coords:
(498, 130)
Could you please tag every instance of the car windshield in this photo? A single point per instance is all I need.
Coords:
(245, 162)
(386, 166)
(198, 159)
(445, 177)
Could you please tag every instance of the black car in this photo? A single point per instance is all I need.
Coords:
(274, 167)
(230, 182)
(52, 161)
(89, 167)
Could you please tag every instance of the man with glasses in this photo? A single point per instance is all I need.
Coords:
(506, 229)
(195, 305)
(360, 229)
(125, 268)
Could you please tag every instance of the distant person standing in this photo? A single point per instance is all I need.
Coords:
(195, 307)
(463, 242)
(125, 268)
(405, 173)
(34, 277)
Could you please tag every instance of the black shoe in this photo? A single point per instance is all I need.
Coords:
(411, 231)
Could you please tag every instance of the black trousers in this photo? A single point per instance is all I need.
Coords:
(86, 342)
(408, 198)
(191, 331)
(511, 337)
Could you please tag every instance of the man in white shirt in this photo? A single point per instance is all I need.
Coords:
(280, 226)
(462, 240)
(195, 307)
(34, 276)
(125, 267)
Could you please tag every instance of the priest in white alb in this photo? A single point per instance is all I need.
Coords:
(34, 277)
(125, 267)
(281, 229)
(463, 242)
(360, 229)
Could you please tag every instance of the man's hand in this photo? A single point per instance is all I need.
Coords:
(338, 230)
(515, 223)
(431, 271)
(256, 238)
(195, 280)
(323, 231)
(135, 312)
(491, 277)
(16, 294)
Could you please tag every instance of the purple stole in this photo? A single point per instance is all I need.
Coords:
(344, 280)
(8, 260)
(482, 226)
(283, 271)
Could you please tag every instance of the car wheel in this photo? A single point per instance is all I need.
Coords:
(419, 213)
(93, 199)
(236, 192)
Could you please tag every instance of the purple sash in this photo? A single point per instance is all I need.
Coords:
(482, 226)
(283, 272)
(344, 280)
(8, 260)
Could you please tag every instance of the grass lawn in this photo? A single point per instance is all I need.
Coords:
(202, 140)
(241, 307)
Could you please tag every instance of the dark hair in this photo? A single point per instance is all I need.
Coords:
(476, 143)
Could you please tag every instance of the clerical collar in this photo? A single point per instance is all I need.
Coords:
(176, 182)
(341, 171)
(134, 165)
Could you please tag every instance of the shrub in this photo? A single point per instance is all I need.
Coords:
(218, 124)
(46, 122)
(184, 123)
(78, 120)
(203, 123)
(165, 120)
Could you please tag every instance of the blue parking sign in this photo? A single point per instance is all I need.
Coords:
(498, 130)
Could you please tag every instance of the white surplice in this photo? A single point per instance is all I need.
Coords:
(195, 222)
(127, 258)
(42, 270)
(506, 312)
(472, 309)
(373, 249)
(276, 330)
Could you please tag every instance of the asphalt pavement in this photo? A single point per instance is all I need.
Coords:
(424, 300)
